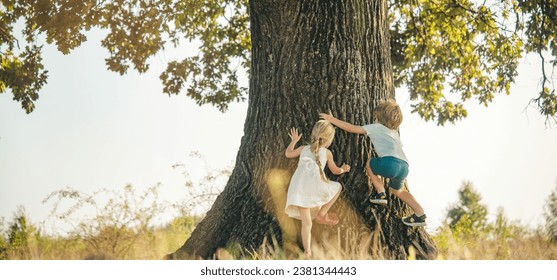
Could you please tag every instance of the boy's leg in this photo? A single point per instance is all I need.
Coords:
(409, 199)
(380, 197)
(305, 216)
(377, 183)
(418, 218)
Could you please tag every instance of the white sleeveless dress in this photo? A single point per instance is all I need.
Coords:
(306, 188)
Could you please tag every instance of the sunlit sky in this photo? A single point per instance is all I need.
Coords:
(94, 129)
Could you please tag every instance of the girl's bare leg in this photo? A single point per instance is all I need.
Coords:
(325, 208)
(305, 216)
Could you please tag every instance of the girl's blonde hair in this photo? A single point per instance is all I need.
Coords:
(388, 113)
(323, 132)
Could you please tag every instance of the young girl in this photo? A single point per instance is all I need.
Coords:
(392, 162)
(311, 194)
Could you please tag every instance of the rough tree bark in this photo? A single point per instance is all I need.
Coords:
(309, 57)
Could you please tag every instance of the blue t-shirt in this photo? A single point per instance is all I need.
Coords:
(385, 140)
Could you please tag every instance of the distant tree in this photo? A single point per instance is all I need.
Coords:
(503, 228)
(3, 241)
(19, 233)
(550, 214)
(468, 217)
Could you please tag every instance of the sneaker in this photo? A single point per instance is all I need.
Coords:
(415, 221)
(378, 198)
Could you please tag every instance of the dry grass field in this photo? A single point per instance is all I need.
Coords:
(155, 244)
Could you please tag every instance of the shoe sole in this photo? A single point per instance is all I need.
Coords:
(415, 224)
(378, 201)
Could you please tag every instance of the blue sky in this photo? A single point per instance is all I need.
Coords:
(94, 129)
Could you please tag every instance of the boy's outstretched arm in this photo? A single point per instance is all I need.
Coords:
(342, 124)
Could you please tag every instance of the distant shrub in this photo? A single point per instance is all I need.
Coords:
(550, 214)
(120, 218)
(3, 241)
(468, 217)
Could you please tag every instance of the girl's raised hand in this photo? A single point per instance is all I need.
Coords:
(294, 136)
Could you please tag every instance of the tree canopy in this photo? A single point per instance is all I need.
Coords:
(445, 52)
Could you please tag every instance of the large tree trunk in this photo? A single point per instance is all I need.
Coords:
(309, 57)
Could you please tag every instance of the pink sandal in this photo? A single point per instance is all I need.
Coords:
(330, 219)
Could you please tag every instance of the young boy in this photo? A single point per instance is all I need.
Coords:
(392, 162)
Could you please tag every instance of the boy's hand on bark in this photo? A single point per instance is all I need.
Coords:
(326, 116)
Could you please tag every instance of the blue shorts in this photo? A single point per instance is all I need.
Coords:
(390, 167)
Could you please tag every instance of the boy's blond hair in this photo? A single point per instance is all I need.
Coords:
(388, 113)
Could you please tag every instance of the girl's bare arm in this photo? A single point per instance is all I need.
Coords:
(333, 166)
